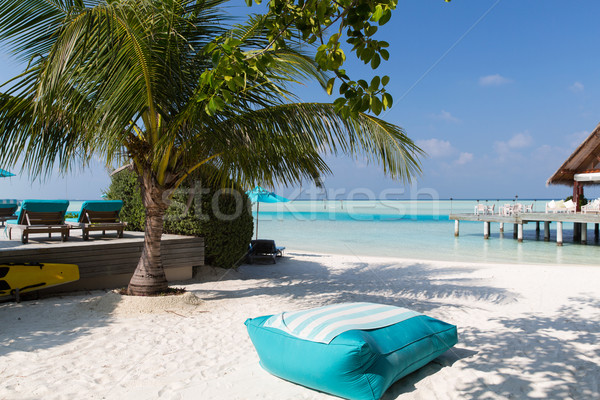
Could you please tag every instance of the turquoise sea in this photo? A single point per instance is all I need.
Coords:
(413, 229)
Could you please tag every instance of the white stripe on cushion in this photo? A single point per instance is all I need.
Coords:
(323, 324)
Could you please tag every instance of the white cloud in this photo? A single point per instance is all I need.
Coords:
(436, 148)
(464, 158)
(576, 138)
(507, 149)
(576, 87)
(446, 116)
(494, 80)
(520, 140)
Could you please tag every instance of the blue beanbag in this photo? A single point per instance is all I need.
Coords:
(352, 350)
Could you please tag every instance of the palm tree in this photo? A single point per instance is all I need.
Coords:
(136, 80)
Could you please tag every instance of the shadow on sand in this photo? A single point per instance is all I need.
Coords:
(526, 356)
(41, 324)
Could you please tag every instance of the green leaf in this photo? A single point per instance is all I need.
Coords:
(374, 84)
(377, 14)
(330, 83)
(375, 61)
(388, 100)
(385, 80)
(387, 14)
(376, 105)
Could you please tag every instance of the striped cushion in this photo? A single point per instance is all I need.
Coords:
(355, 350)
(325, 323)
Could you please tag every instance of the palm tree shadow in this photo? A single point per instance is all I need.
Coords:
(417, 285)
(552, 356)
(31, 325)
(408, 383)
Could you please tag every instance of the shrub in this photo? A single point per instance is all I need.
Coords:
(582, 200)
(125, 186)
(223, 217)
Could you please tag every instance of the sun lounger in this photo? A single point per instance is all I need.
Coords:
(263, 249)
(570, 206)
(101, 215)
(7, 210)
(41, 216)
(556, 207)
(592, 207)
(279, 251)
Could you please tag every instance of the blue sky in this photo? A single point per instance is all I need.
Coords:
(498, 93)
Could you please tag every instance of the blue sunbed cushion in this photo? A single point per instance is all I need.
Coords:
(42, 206)
(359, 361)
(99, 205)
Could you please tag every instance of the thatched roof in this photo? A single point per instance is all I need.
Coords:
(584, 159)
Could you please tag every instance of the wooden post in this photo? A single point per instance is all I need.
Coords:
(559, 233)
(456, 227)
(576, 231)
(520, 233)
(583, 233)
(502, 227)
(486, 230)
(537, 228)
(515, 231)
(577, 194)
(546, 231)
(596, 232)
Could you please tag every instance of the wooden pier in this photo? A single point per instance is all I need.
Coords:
(580, 223)
(105, 262)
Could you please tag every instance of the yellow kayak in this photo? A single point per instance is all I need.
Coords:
(18, 278)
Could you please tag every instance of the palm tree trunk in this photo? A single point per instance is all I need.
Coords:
(149, 276)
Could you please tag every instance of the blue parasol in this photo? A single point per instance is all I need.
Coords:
(259, 195)
(5, 174)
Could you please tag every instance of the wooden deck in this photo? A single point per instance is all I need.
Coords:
(579, 221)
(104, 262)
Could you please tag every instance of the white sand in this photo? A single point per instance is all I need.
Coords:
(525, 331)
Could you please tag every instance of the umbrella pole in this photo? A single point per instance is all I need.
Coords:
(257, 209)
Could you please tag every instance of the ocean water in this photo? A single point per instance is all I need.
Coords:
(418, 229)
(414, 229)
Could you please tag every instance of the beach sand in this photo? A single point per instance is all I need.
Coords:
(525, 331)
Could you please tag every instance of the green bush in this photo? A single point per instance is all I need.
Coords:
(582, 200)
(223, 217)
(125, 186)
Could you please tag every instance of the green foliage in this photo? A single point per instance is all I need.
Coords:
(582, 200)
(171, 87)
(223, 217)
(125, 186)
(356, 21)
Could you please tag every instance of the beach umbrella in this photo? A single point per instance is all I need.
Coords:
(5, 174)
(259, 195)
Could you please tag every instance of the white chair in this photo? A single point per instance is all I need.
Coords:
(570, 206)
(592, 206)
(529, 208)
(517, 208)
(507, 209)
(480, 209)
(490, 209)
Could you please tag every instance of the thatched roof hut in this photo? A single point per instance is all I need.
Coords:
(583, 166)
